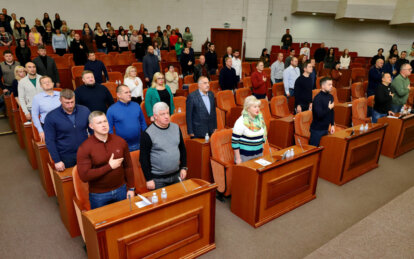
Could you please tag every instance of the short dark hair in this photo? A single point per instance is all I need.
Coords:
(306, 64)
(381, 49)
(41, 47)
(7, 52)
(324, 80)
(385, 74)
(404, 52)
(86, 72)
(91, 52)
(118, 88)
(67, 93)
(291, 50)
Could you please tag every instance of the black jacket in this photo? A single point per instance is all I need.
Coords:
(383, 99)
(322, 115)
(320, 55)
(198, 71)
(51, 69)
(187, 69)
(211, 60)
(228, 79)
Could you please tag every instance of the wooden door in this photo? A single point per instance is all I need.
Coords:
(222, 38)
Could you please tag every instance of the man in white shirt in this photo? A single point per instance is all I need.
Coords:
(290, 75)
(277, 69)
(28, 87)
(305, 50)
(237, 64)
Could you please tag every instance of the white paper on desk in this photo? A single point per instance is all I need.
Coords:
(262, 162)
(141, 204)
(392, 117)
(349, 104)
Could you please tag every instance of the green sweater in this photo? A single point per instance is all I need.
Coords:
(400, 90)
(179, 48)
(152, 97)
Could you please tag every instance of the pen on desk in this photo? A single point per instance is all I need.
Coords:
(130, 204)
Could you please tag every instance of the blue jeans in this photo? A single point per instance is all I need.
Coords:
(376, 115)
(104, 50)
(315, 137)
(101, 199)
(277, 80)
(396, 108)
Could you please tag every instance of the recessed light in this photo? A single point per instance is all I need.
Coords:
(361, 20)
(313, 13)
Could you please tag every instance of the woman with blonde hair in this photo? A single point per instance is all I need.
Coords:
(171, 77)
(159, 92)
(35, 38)
(134, 83)
(249, 132)
(19, 73)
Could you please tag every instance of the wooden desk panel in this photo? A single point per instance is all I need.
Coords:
(19, 130)
(7, 100)
(181, 226)
(198, 159)
(260, 194)
(65, 193)
(282, 136)
(42, 158)
(399, 135)
(346, 157)
(27, 137)
(343, 114)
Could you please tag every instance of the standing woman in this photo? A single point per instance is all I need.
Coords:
(84, 31)
(336, 74)
(19, 73)
(133, 40)
(112, 41)
(329, 61)
(393, 48)
(57, 23)
(88, 38)
(18, 32)
(157, 51)
(265, 58)
(171, 77)
(159, 92)
(79, 50)
(59, 43)
(24, 25)
(345, 59)
(97, 25)
(70, 38)
(23, 52)
(134, 83)
(35, 38)
(179, 47)
(39, 27)
(47, 38)
(249, 132)
(187, 35)
(46, 19)
(64, 30)
(100, 40)
(122, 40)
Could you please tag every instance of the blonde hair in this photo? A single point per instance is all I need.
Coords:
(16, 69)
(250, 101)
(128, 70)
(154, 79)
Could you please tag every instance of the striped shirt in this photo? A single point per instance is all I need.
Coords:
(249, 142)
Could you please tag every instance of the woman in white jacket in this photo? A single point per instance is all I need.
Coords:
(134, 83)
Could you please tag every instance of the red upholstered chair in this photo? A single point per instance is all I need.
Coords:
(371, 101)
(410, 100)
(246, 70)
(189, 79)
(222, 160)
(220, 119)
(358, 74)
(303, 121)
(179, 102)
(357, 90)
(144, 111)
(278, 89)
(77, 76)
(192, 87)
(318, 82)
(139, 179)
(359, 111)
(225, 102)
(112, 88)
(115, 76)
(247, 82)
(279, 107)
(138, 66)
(241, 94)
(180, 119)
(81, 198)
(215, 86)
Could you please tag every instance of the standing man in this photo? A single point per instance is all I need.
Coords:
(211, 59)
(127, 118)
(97, 67)
(379, 55)
(27, 88)
(236, 63)
(201, 69)
(390, 67)
(94, 96)
(150, 65)
(228, 79)
(229, 54)
(7, 72)
(163, 156)
(289, 77)
(66, 127)
(320, 53)
(400, 86)
(322, 112)
(187, 62)
(289, 58)
(259, 81)
(383, 99)
(277, 69)
(105, 164)
(375, 77)
(402, 60)
(287, 40)
(313, 74)
(201, 111)
(46, 66)
(303, 89)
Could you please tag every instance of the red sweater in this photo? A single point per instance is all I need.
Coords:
(93, 167)
(259, 86)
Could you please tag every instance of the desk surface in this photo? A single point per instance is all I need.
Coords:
(346, 134)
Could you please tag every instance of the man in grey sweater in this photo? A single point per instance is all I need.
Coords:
(163, 156)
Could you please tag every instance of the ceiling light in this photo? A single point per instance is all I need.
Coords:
(313, 13)
(361, 20)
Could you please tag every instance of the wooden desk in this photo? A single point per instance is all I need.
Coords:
(19, 130)
(343, 114)
(346, 157)
(27, 137)
(198, 159)
(7, 101)
(42, 158)
(65, 192)
(399, 135)
(260, 194)
(181, 226)
(282, 136)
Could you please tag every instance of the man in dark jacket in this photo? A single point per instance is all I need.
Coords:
(228, 79)
(201, 69)
(46, 66)
(140, 48)
(97, 67)
(320, 53)
(211, 59)
(187, 62)
(150, 65)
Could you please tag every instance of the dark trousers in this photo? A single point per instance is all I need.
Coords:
(260, 96)
(61, 52)
(122, 49)
(315, 136)
(69, 160)
(165, 181)
(137, 100)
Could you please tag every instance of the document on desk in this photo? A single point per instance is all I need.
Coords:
(262, 162)
(143, 203)
(392, 117)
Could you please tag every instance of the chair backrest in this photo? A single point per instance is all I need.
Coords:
(77, 71)
(172, 56)
(144, 111)
(318, 82)
(358, 74)
(192, 87)
(179, 102)
(112, 88)
(315, 92)
(115, 76)
(359, 109)
(357, 90)
(279, 106)
(180, 119)
(139, 178)
(122, 59)
(246, 69)
(220, 119)
(247, 82)
(214, 86)
(188, 79)
(220, 143)
(241, 94)
(371, 101)
(267, 71)
(225, 100)
(138, 66)
(410, 100)
(35, 133)
(278, 89)
(303, 121)
(108, 60)
(81, 190)
(334, 93)
(264, 108)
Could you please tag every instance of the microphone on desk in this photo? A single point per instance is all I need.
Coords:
(179, 178)
(300, 143)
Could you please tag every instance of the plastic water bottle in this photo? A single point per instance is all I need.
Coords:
(179, 109)
(366, 126)
(288, 153)
(163, 194)
(402, 110)
(207, 138)
(154, 198)
(409, 110)
(292, 152)
(361, 128)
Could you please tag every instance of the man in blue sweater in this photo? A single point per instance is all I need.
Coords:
(92, 95)
(375, 77)
(127, 118)
(97, 67)
(66, 127)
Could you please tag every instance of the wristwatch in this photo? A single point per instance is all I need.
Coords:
(185, 168)
(131, 189)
